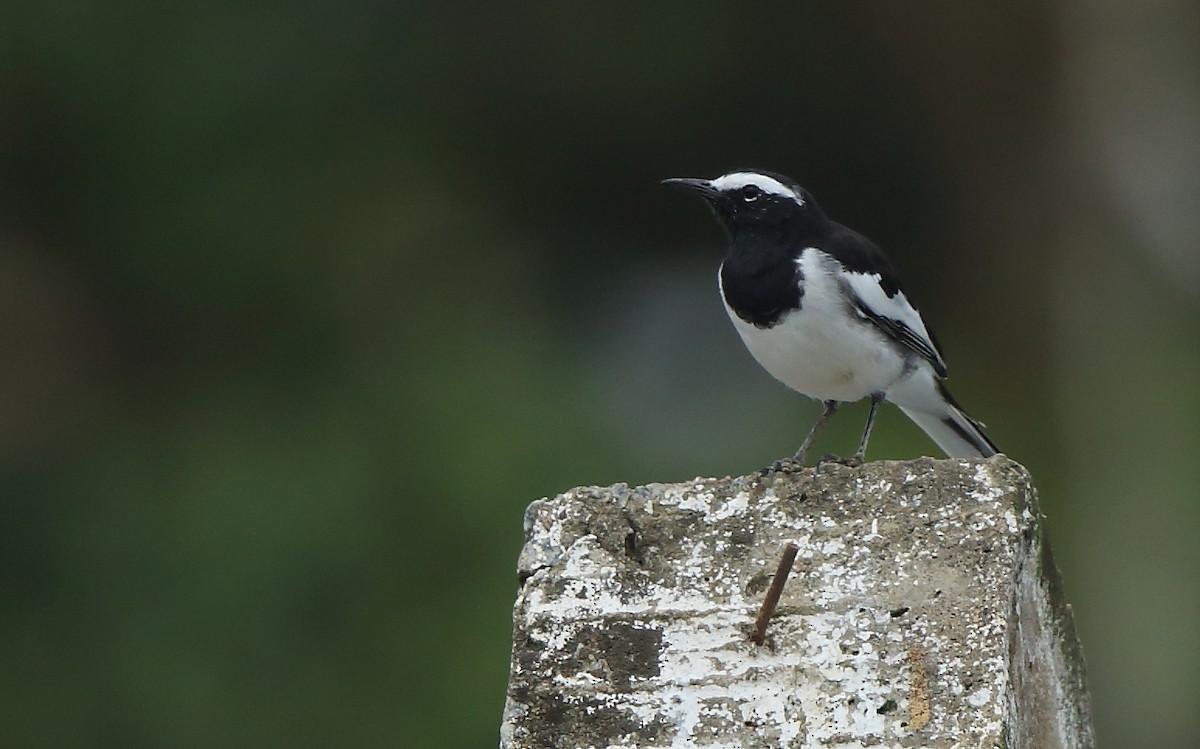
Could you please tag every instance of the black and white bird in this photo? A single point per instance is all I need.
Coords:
(821, 309)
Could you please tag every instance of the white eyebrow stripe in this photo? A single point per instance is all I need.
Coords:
(737, 180)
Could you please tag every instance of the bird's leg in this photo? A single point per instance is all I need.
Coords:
(822, 420)
(857, 460)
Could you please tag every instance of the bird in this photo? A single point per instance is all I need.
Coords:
(820, 307)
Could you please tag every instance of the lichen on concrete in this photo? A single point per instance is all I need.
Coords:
(922, 610)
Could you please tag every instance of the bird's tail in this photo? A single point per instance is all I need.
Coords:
(934, 410)
(957, 434)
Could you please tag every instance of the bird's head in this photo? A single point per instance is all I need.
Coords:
(749, 199)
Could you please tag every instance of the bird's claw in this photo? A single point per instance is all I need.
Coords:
(783, 465)
(854, 461)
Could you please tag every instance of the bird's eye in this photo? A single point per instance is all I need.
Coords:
(750, 193)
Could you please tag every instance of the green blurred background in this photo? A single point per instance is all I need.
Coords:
(302, 303)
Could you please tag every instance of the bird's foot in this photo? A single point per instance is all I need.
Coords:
(854, 461)
(783, 465)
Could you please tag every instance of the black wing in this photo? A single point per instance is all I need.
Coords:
(875, 290)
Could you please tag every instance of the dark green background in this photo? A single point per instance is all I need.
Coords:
(302, 303)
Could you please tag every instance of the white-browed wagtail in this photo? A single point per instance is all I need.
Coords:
(821, 309)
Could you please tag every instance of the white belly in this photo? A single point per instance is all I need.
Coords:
(819, 350)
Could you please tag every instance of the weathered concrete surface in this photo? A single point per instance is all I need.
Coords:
(923, 610)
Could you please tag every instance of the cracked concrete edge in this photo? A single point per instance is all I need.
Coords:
(1050, 702)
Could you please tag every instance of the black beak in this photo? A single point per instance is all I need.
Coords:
(702, 186)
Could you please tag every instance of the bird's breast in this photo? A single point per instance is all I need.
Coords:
(820, 347)
(761, 285)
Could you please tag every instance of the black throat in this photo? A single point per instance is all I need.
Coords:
(760, 278)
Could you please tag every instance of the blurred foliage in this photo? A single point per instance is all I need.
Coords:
(301, 304)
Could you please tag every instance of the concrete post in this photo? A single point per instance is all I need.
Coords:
(923, 610)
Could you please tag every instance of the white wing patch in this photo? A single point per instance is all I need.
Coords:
(737, 180)
(894, 314)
